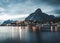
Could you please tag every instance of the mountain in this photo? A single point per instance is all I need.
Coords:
(38, 15)
(57, 19)
(1, 21)
(11, 20)
(7, 22)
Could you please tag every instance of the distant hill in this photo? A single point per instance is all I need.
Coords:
(38, 15)
(7, 22)
(1, 21)
(10, 21)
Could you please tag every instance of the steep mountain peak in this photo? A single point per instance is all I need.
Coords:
(38, 10)
(38, 15)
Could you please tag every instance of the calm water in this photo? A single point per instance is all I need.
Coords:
(10, 34)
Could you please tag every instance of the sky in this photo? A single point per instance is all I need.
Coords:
(10, 9)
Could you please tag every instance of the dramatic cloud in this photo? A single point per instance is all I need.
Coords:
(25, 7)
(50, 2)
(57, 11)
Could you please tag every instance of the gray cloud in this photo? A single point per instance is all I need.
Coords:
(28, 6)
(57, 11)
(50, 2)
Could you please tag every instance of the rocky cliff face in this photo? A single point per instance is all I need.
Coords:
(38, 15)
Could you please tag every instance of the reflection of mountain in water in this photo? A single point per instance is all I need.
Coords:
(38, 15)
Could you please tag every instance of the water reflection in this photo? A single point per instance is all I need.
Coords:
(27, 34)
